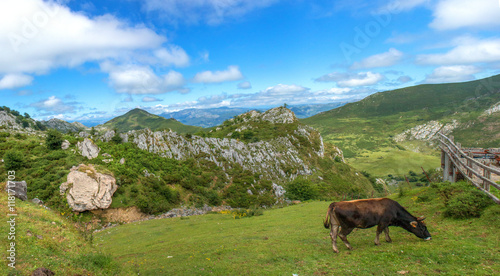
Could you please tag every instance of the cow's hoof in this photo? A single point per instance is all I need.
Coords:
(389, 241)
(377, 243)
(335, 251)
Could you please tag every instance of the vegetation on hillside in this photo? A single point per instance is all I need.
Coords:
(45, 238)
(156, 184)
(365, 129)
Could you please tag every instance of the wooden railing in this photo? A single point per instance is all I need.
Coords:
(456, 165)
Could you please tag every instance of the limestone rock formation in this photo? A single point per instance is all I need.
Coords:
(427, 131)
(65, 145)
(87, 189)
(18, 189)
(278, 158)
(88, 149)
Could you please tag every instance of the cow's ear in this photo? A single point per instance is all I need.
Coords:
(414, 224)
(421, 218)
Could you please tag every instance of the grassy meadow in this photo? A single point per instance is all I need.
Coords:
(292, 240)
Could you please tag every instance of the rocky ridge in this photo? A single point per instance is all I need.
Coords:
(279, 157)
(427, 131)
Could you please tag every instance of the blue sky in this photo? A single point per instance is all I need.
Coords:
(93, 60)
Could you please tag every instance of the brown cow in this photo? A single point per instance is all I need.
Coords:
(366, 213)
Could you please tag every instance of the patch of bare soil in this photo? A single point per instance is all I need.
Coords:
(125, 215)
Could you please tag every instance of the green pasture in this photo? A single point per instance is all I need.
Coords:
(292, 240)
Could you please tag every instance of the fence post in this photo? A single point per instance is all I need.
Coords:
(486, 174)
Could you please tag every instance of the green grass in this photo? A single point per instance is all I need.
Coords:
(394, 161)
(292, 240)
(44, 238)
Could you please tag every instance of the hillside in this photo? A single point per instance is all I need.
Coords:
(255, 159)
(45, 238)
(387, 124)
(292, 240)
(140, 119)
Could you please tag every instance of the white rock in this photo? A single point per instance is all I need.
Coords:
(88, 149)
(87, 189)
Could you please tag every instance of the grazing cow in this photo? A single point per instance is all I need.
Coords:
(366, 213)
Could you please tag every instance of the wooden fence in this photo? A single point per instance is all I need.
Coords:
(458, 165)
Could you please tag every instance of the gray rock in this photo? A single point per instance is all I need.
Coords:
(88, 149)
(83, 134)
(87, 189)
(108, 135)
(65, 145)
(18, 189)
(122, 161)
(37, 201)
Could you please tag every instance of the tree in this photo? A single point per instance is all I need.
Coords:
(93, 132)
(26, 115)
(13, 160)
(54, 139)
(117, 139)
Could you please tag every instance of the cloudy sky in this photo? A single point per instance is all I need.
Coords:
(82, 60)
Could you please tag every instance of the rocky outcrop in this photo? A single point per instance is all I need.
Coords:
(7, 119)
(278, 157)
(427, 132)
(87, 189)
(88, 149)
(108, 136)
(495, 108)
(18, 189)
(63, 126)
(65, 145)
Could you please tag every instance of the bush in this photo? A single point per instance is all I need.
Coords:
(54, 139)
(467, 205)
(301, 189)
(13, 160)
(462, 199)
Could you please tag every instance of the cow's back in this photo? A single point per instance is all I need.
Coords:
(365, 213)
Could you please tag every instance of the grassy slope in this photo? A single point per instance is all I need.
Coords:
(368, 126)
(61, 249)
(139, 119)
(292, 240)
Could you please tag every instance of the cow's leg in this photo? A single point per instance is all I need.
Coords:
(386, 231)
(344, 231)
(333, 234)
(380, 228)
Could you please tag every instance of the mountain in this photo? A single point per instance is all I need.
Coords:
(210, 117)
(140, 119)
(204, 117)
(63, 126)
(386, 123)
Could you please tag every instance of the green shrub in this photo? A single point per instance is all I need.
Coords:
(467, 204)
(462, 199)
(13, 160)
(301, 189)
(54, 139)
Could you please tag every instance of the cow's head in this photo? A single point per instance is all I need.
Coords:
(418, 228)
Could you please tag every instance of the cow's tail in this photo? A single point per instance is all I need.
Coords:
(328, 219)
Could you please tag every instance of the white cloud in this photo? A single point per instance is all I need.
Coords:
(53, 105)
(454, 14)
(231, 74)
(11, 81)
(386, 59)
(39, 36)
(456, 73)
(151, 99)
(244, 85)
(174, 55)
(210, 11)
(404, 79)
(467, 50)
(134, 79)
(352, 79)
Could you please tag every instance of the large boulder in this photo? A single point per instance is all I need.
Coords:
(18, 189)
(65, 145)
(87, 189)
(88, 149)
